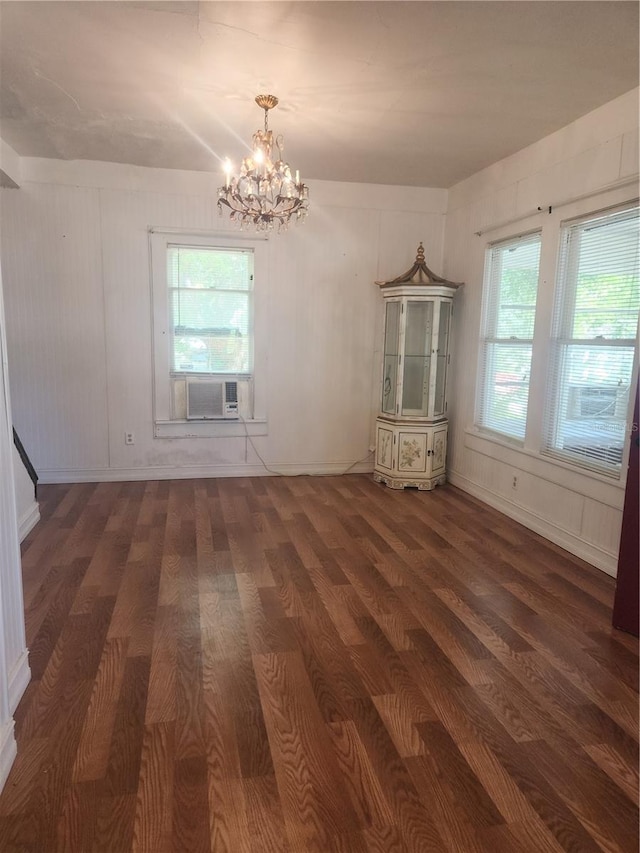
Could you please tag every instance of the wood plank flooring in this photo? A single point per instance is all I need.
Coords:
(315, 665)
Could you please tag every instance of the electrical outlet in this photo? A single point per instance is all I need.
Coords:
(129, 438)
(514, 485)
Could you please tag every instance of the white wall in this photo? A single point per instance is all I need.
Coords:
(590, 164)
(77, 291)
(14, 669)
(27, 507)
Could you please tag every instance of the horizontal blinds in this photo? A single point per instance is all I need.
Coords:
(594, 339)
(511, 288)
(210, 292)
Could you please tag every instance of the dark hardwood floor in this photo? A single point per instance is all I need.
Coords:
(315, 664)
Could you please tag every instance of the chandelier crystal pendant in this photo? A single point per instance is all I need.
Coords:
(264, 193)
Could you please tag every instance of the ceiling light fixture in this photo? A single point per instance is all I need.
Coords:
(264, 193)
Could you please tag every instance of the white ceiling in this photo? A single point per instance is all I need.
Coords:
(415, 93)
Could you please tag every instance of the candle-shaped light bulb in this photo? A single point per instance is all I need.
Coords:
(297, 177)
(227, 172)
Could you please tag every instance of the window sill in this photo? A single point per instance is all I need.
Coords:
(497, 438)
(211, 429)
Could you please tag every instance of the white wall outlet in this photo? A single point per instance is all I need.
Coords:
(129, 438)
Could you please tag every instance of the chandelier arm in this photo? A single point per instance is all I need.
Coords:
(254, 204)
(280, 214)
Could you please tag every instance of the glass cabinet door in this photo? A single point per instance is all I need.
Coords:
(442, 358)
(391, 352)
(417, 358)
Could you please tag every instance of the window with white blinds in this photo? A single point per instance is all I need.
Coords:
(210, 308)
(511, 288)
(594, 339)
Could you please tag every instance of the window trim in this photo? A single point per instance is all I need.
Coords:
(254, 416)
(590, 203)
(563, 302)
(487, 336)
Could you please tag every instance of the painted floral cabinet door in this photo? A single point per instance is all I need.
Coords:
(384, 448)
(439, 454)
(412, 452)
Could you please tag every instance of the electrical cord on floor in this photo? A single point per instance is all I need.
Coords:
(284, 473)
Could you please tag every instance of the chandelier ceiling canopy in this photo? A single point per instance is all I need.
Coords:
(264, 193)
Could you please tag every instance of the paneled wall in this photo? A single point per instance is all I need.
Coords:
(26, 504)
(14, 669)
(588, 165)
(76, 258)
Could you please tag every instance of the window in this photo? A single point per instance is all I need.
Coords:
(511, 287)
(593, 344)
(209, 306)
(211, 301)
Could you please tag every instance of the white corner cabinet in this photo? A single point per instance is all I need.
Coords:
(411, 429)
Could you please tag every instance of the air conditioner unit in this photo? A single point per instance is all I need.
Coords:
(212, 400)
(597, 402)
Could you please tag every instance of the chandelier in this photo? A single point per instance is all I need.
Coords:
(264, 193)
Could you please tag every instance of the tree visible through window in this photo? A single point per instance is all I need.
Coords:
(210, 303)
(511, 288)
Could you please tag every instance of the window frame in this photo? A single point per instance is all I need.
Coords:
(510, 456)
(488, 335)
(253, 404)
(560, 340)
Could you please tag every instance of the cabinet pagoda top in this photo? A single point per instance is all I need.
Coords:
(420, 274)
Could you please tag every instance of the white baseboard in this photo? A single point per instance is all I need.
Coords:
(189, 472)
(19, 678)
(28, 520)
(591, 554)
(8, 750)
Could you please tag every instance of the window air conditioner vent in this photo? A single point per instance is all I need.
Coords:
(597, 402)
(211, 399)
